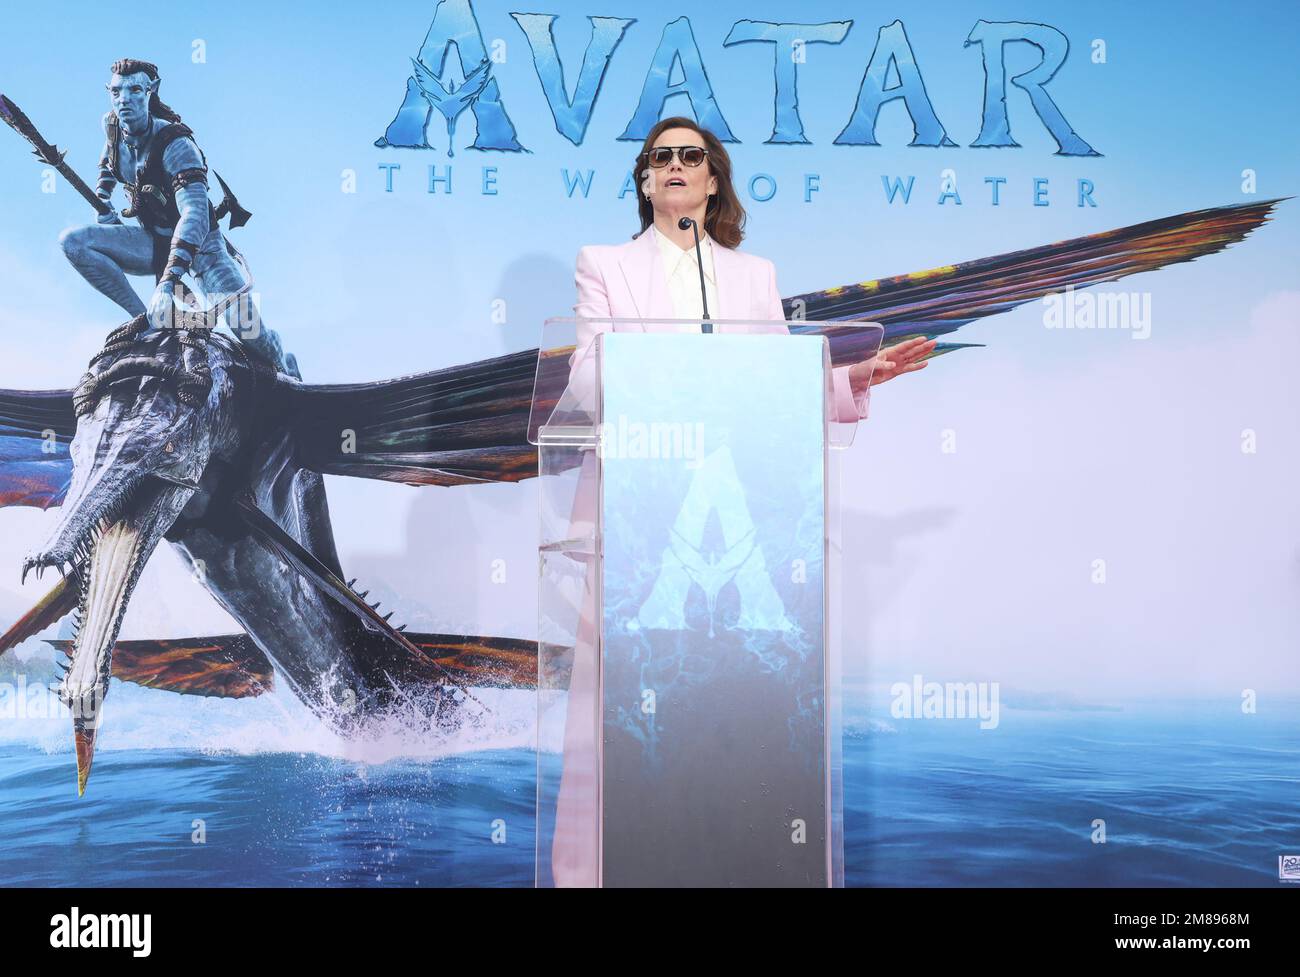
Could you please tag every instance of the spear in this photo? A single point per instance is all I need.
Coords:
(48, 153)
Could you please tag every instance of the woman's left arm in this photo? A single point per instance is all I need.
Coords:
(849, 407)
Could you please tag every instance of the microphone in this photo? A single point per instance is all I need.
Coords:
(706, 326)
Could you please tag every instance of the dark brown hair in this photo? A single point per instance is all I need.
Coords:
(724, 217)
(157, 107)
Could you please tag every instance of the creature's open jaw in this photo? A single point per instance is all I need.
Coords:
(106, 589)
(80, 529)
(107, 560)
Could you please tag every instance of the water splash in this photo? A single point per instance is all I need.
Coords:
(137, 718)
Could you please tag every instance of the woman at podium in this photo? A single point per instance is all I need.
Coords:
(685, 186)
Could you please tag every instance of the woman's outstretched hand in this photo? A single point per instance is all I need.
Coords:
(890, 362)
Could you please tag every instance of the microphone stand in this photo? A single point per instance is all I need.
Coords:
(706, 326)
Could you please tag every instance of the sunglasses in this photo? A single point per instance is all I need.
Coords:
(661, 156)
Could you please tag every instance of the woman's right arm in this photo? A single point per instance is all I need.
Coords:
(593, 298)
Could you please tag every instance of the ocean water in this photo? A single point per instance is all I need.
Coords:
(204, 792)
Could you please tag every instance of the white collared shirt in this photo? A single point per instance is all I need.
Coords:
(683, 275)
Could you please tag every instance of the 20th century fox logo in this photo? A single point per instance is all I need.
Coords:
(1288, 868)
(75, 931)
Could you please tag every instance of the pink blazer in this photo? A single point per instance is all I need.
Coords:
(626, 281)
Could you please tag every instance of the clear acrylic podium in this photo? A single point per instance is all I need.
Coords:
(688, 729)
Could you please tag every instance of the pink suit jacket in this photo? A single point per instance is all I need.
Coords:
(627, 281)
